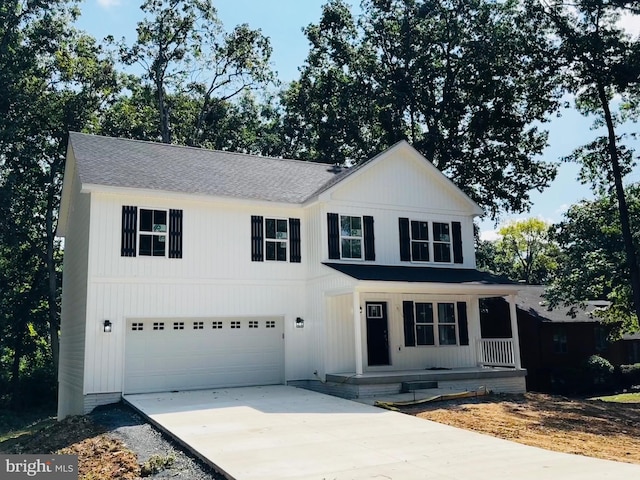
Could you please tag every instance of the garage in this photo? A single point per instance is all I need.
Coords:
(194, 353)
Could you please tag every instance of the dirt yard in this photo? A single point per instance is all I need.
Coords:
(584, 427)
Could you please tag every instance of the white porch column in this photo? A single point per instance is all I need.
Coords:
(515, 335)
(357, 325)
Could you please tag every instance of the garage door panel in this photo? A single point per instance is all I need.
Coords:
(210, 356)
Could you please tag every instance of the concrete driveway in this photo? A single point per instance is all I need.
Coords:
(280, 432)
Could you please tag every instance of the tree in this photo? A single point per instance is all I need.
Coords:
(52, 80)
(594, 264)
(601, 62)
(524, 252)
(183, 49)
(466, 82)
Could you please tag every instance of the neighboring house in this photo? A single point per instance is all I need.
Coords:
(186, 268)
(552, 342)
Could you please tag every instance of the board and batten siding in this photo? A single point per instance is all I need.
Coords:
(214, 277)
(341, 339)
(74, 306)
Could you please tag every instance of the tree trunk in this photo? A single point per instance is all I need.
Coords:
(632, 260)
(52, 293)
(15, 367)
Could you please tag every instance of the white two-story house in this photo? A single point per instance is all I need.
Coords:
(186, 268)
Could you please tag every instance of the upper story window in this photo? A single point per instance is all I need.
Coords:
(560, 343)
(420, 241)
(441, 242)
(274, 239)
(351, 237)
(151, 232)
(425, 241)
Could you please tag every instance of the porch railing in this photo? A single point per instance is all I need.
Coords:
(496, 352)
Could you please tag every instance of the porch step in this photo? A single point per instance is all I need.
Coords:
(417, 385)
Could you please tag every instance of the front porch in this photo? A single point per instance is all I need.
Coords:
(382, 383)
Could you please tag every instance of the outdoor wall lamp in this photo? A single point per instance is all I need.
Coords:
(107, 326)
(299, 322)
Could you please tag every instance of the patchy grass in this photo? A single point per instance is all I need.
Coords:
(620, 398)
(15, 424)
(585, 427)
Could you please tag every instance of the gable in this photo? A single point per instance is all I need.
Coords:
(401, 177)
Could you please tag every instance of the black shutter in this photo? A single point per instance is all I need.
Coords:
(369, 239)
(333, 228)
(295, 256)
(175, 233)
(463, 325)
(405, 240)
(129, 231)
(257, 243)
(457, 242)
(409, 324)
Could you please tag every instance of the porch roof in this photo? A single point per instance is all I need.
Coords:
(396, 273)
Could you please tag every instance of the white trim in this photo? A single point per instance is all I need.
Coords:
(357, 325)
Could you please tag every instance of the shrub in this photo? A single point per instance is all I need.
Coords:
(630, 375)
(600, 370)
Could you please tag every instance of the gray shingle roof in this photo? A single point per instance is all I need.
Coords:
(119, 162)
(530, 299)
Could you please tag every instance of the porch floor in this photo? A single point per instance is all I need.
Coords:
(449, 374)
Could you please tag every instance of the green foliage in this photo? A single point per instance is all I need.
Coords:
(191, 68)
(630, 375)
(594, 264)
(524, 252)
(599, 370)
(463, 81)
(156, 464)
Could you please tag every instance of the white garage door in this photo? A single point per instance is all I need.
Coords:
(187, 354)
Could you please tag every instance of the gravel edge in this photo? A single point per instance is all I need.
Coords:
(142, 438)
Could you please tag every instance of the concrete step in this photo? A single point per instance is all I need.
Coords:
(417, 385)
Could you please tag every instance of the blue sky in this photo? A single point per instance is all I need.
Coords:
(283, 20)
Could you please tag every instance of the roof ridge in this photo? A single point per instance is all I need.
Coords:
(201, 149)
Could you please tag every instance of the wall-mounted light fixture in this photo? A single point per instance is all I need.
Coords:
(299, 322)
(107, 326)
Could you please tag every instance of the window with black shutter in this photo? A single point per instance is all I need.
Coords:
(295, 241)
(333, 229)
(257, 254)
(427, 241)
(129, 231)
(149, 232)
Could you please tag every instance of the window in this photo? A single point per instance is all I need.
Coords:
(158, 325)
(178, 325)
(216, 325)
(420, 241)
(441, 243)
(350, 237)
(560, 341)
(151, 232)
(271, 238)
(271, 324)
(447, 324)
(136, 327)
(253, 324)
(601, 339)
(198, 325)
(276, 239)
(235, 324)
(425, 241)
(424, 324)
(374, 310)
(435, 323)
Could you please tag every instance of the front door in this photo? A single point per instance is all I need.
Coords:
(377, 334)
